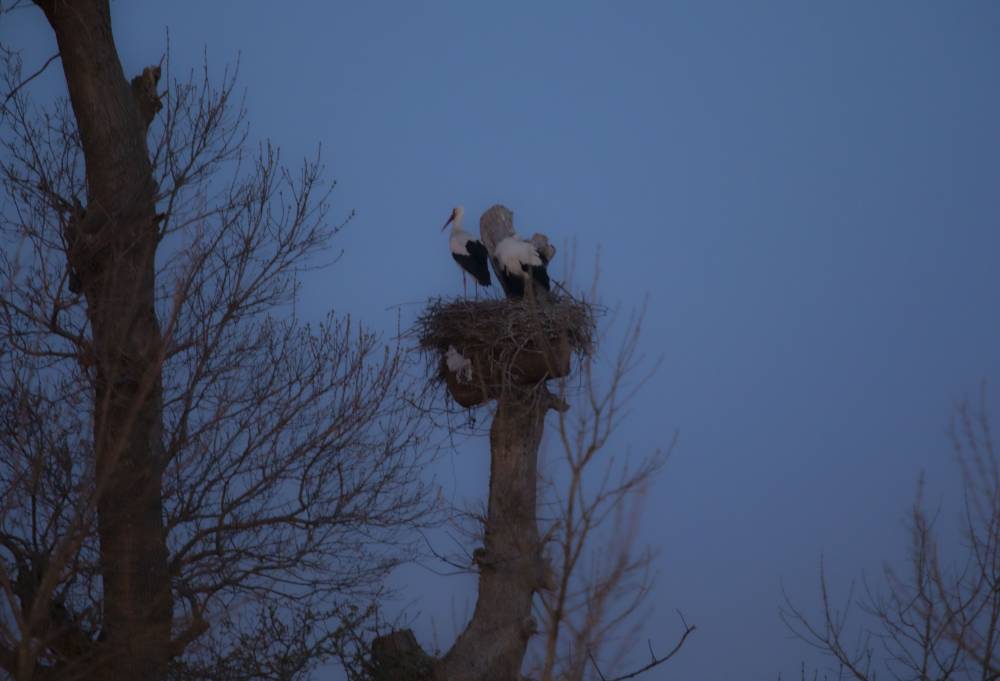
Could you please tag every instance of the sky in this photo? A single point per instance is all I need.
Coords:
(806, 192)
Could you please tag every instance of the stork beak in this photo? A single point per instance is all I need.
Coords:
(450, 218)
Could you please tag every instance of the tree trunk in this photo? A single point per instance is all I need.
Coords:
(511, 567)
(111, 253)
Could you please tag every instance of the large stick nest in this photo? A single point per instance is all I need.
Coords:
(507, 341)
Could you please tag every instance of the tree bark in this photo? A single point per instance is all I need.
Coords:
(111, 252)
(511, 566)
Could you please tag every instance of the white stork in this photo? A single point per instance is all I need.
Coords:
(469, 253)
(458, 364)
(520, 262)
(546, 251)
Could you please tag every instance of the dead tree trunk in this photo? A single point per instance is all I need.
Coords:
(111, 251)
(511, 348)
(510, 564)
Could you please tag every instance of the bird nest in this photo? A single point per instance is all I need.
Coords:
(503, 343)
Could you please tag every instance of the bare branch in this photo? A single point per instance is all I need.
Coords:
(936, 620)
(286, 458)
(14, 90)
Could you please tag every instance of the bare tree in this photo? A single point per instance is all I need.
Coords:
(599, 577)
(940, 619)
(193, 483)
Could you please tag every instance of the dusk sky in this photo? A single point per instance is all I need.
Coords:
(808, 193)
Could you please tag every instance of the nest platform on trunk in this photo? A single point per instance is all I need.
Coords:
(507, 342)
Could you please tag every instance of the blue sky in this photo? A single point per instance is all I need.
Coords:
(807, 192)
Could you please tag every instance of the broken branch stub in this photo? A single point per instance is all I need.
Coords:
(398, 657)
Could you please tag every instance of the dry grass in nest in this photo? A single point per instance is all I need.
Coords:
(503, 329)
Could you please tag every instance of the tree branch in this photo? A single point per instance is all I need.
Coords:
(27, 80)
(654, 660)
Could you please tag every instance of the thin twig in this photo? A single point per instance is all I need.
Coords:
(594, 662)
(28, 80)
(655, 661)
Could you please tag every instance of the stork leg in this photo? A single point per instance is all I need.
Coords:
(465, 292)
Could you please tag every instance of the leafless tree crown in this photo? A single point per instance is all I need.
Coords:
(276, 462)
(938, 619)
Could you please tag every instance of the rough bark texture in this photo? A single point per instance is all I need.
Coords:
(511, 568)
(112, 244)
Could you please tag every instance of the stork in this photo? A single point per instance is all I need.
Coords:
(469, 253)
(520, 262)
(524, 260)
(546, 251)
(458, 364)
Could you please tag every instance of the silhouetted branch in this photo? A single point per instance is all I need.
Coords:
(288, 456)
(937, 619)
(654, 660)
(13, 91)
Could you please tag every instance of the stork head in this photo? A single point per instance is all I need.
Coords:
(546, 251)
(456, 217)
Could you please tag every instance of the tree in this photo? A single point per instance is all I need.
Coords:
(541, 567)
(193, 484)
(941, 618)
(599, 579)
